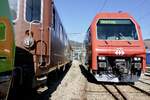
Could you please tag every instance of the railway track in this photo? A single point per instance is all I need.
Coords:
(144, 82)
(139, 89)
(115, 96)
(113, 91)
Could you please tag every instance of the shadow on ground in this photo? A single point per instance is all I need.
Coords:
(54, 79)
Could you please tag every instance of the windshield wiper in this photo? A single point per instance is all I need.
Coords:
(124, 38)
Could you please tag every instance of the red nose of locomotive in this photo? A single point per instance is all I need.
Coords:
(120, 58)
(121, 48)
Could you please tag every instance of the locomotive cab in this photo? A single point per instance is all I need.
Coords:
(118, 53)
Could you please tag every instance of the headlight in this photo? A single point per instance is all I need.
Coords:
(101, 58)
(137, 59)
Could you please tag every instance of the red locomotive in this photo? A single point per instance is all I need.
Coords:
(42, 44)
(114, 47)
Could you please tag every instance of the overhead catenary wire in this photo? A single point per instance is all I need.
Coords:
(139, 4)
(145, 15)
(103, 6)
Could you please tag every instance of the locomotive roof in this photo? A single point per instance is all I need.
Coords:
(113, 15)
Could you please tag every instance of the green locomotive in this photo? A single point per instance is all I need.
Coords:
(7, 49)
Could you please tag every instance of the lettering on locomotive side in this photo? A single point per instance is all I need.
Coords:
(114, 21)
(107, 22)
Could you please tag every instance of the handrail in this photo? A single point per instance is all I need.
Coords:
(31, 25)
(50, 32)
(41, 29)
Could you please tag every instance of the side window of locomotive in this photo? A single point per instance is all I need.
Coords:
(33, 10)
(116, 29)
(65, 40)
(89, 37)
(2, 31)
(53, 20)
(57, 26)
(61, 32)
(86, 40)
(13, 4)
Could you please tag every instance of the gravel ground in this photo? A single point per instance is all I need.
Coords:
(97, 92)
(72, 86)
(77, 85)
(133, 94)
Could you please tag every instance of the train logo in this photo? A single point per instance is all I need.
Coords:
(119, 52)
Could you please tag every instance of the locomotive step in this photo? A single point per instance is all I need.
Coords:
(42, 78)
(42, 89)
(105, 78)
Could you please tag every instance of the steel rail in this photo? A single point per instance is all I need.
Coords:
(115, 97)
(118, 90)
(139, 89)
(144, 82)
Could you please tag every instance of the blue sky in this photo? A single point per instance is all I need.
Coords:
(76, 15)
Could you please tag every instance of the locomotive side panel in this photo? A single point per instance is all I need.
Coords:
(7, 53)
(7, 45)
(7, 49)
(60, 41)
(88, 49)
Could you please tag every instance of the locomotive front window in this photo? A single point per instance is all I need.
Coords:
(13, 4)
(116, 29)
(33, 10)
(2, 31)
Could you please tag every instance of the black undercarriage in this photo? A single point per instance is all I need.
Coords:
(118, 69)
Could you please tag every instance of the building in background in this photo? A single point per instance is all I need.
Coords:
(76, 50)
(147, 46)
